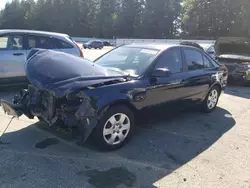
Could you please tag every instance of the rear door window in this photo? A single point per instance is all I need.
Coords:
(41, 42)
(194, 59)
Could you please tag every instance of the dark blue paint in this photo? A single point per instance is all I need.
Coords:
(90, 89)
(61, 73)
(46, 71)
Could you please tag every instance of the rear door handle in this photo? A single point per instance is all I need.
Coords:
(18, 54)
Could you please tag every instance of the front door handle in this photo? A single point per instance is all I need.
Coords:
(18, 54)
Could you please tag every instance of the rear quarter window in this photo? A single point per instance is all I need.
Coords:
(63, 44)
(214, 62)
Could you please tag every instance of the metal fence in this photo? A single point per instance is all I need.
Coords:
(121, 41)
(161, 41)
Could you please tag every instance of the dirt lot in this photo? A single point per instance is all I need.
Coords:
(172, 150)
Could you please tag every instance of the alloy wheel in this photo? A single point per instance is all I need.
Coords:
(212, 99)
(116, 129)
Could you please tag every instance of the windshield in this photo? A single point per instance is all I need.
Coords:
(129, 60)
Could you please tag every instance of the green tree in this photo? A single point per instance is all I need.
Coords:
(104, 18)
(15, 14)
(160, 16)
(128, 17)
(216, 18)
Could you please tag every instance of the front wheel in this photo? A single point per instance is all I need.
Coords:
(115, 128)
(211, 100)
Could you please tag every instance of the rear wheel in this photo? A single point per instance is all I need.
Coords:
(115, 128)
(211, 100)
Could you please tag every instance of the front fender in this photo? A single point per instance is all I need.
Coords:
(110, 100)
(93, 109)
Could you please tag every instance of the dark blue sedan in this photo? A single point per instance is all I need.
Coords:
(102, 98)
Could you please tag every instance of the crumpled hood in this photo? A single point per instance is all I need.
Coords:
(60, 73)
(232, 47)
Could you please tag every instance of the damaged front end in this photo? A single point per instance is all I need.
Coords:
(238, 67)
(56, 94)
(234, 53)
(71, 111)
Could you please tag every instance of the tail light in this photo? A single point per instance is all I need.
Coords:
(80, 49)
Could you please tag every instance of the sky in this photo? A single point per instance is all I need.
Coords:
(2, 3)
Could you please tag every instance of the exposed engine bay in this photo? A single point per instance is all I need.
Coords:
(234, 52)
(71, 111)
(238, 69)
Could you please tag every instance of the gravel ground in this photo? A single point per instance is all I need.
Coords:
(173, 149)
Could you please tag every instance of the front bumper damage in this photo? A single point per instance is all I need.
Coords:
(74, 111)
(238, 68)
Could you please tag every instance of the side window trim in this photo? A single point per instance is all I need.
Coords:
(30, 35)
(25, 41)
(185, 66)
(211, 64)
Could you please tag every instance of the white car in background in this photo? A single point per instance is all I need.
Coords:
(15, 46)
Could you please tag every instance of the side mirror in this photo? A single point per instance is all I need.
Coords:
(161, 72)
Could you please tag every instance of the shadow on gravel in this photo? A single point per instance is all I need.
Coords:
(164, 141)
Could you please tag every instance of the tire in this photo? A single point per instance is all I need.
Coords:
(113, 131)
(89, 47)
(210, 102)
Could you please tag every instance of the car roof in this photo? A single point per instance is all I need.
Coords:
(32, 32)
(161, 47)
